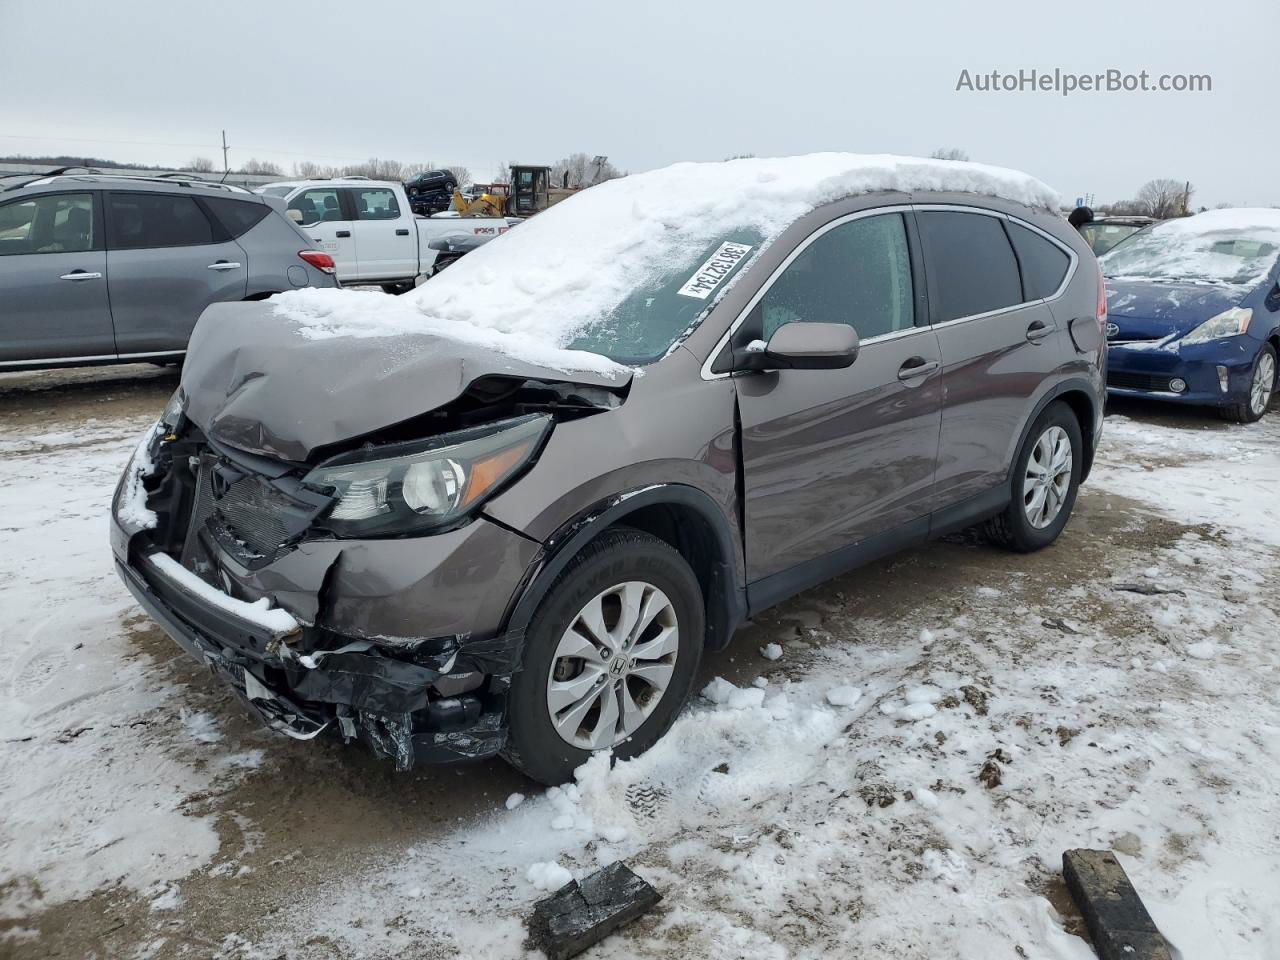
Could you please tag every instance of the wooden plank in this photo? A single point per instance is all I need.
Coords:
(1120, 925)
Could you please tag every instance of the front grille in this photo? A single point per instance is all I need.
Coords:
(251, 512)
(249, 516)
(1155, 382)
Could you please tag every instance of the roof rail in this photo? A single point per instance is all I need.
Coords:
(170, 178)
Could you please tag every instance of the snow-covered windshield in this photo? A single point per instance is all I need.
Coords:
(1220, 246)
(601, 274)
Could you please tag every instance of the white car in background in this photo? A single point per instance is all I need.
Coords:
(370, 231)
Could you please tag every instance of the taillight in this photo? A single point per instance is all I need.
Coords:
(319, 259)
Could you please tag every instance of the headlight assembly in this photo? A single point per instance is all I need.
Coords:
(426, 485)
(1228, 323)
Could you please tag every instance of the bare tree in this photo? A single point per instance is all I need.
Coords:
(200, 165)
(264, 168)
(1165, 198)
(461, 174)
(949, 153)
(584, 170)
(309, 170)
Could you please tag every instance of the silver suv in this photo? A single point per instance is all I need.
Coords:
(104, 269)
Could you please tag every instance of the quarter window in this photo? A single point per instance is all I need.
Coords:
(140, 220)
(237, 217)
(56, 223)
(1043, 264)
(375, 204)
(858, 273)
(317, 206)
(971, 265)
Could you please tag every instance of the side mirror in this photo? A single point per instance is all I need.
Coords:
(294, 214)
(804, 346)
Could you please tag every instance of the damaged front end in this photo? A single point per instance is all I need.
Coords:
(360, 592)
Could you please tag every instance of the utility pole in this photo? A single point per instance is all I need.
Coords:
(1186, 198)
(225, 169)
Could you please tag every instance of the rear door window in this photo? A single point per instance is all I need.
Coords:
(1044, 264)
(318, 205)
(971, 266)
(55, 223)
(375, 203)
(237, 217)
(142, 220)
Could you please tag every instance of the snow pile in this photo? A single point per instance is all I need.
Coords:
(529, 292)
(1224, 246)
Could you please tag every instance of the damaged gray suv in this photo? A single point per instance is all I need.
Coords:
(506, 513)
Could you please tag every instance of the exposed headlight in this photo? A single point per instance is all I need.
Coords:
(1228, 323)
(173, 410)
(426, 485)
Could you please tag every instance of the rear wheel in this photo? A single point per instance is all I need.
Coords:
(395, 289)
(610, 656)
(1262, 387)
(1046, 477)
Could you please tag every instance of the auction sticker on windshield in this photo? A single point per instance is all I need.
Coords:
(718, 266)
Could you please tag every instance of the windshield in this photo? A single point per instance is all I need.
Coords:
(1218, 256)
(660, 310)
(274, 191)
(1103, 236)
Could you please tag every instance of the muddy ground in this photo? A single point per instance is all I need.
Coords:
(316, 810)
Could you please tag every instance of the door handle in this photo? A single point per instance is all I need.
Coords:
(80, 275)
(402, 232)
(343, 233)
(1038, 330)
(917, 367)
(224, 265)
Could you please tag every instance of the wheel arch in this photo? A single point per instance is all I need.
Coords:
(1078, 395)
(684, 517)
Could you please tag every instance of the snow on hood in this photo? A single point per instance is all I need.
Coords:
(530, 292)
(1199, 248)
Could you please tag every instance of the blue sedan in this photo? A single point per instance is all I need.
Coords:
(1194, 312)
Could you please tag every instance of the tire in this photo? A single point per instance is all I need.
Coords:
(395, 289)
(1014, 527)
(618, 556)
(1254, 406)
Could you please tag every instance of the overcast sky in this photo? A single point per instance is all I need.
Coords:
(649, 83)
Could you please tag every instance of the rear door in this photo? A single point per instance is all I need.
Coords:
(53, 279)
(999, 340)
(386, 241)
(834, 458)
(167, 260)
(324, 213)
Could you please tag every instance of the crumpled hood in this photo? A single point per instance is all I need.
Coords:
(253, 381)
(1145, 310)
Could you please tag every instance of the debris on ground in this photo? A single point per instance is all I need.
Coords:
(1119, 924)
(579, 915)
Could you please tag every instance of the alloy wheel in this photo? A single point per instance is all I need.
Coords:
(1264, 378)
(1048, 477)
(613, 665)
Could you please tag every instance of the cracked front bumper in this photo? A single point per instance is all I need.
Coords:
(397, 643)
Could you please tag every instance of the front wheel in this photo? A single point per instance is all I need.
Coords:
(610, 657)
(1262, 386)
(1046, 477)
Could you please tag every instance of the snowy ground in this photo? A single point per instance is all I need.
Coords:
(897, 775)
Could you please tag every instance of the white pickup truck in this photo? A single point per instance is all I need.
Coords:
(369, 230)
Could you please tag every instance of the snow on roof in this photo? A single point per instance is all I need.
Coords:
(550, 277)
